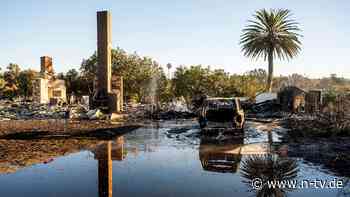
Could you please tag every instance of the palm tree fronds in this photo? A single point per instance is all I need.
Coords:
(271, 29)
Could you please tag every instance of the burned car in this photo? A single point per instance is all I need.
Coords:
(221, 113)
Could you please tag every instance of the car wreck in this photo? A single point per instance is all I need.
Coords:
(221, 113)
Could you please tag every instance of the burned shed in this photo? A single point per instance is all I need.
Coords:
(291, 99)
(313, 101)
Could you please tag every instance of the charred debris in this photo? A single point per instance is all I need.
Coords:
(304, 113)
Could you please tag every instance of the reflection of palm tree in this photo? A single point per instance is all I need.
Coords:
(345, 191)
(269, 168)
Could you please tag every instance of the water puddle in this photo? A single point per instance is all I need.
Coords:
(166, 158)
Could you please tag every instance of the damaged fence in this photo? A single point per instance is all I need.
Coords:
(337, 113)
(333, 118)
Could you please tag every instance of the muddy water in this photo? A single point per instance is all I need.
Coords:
(163, 159)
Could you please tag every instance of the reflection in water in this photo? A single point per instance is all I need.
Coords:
(256, 160)
(225, 155)
(18, 154)
(269, 167)
(220, 156)
(345, 191)
(106, 153)
(105, 169)
(157, 165)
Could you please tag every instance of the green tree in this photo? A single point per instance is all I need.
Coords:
(25, 82)
(271, 34)
(194, 81)
(11, 80)
(72, 82)
(88, 71)
(191, 81)
(252, 82)
(143, 77)
(60, 76)
(2, 83)
(169, 66)
(259, 74)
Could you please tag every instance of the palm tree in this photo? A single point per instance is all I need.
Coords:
(169, 67)
(271, 34)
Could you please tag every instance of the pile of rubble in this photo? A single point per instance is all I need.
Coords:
(12, 110)
(15, 110)
(83, 113)
(172, 114)
(318, 125)
(333, 119)
(176, 109)
(266, 109)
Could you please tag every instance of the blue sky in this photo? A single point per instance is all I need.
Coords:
(180, 32)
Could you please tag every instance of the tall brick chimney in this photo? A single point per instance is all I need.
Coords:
(46, 67)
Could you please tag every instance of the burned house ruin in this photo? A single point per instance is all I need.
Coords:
(292, 99)
(313, 101)
(46, 88)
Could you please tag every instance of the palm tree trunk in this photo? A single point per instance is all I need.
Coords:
(270, 74)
